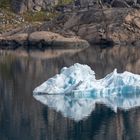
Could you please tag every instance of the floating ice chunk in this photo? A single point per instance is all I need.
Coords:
(78, 91)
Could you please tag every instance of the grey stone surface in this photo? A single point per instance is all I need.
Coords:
(120, 25)
(21, 6)
(6, 19)
(137, 22)
(50, 39)
(43, 40)
(119, 3)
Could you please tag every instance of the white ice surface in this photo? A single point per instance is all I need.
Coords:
(75, 91)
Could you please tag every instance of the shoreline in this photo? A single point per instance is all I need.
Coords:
(46, 54)
(41, 40)
(103, 27)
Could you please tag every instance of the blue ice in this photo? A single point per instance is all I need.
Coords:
(78, 91)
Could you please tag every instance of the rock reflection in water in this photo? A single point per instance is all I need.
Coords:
(22, 117)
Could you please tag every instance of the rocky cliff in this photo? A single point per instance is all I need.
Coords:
(37, 5)
(24, 5)
(118, 25)
(108, 22)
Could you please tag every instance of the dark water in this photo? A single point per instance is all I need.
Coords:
(24, 118)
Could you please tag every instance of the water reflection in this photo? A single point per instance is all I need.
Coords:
(75, 91)
(21, 117)
(81, 108)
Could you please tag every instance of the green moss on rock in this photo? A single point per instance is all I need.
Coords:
(64, 2)
(5, 3)
(39, 16)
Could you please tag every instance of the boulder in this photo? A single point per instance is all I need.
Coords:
(119, 3)
(42, 40)
(50, 39)
(17, 37)
(14, 41)
(137, 22)
(37, 8)
(20, 6)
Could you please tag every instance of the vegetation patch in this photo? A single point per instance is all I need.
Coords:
(39, 16)
(64, 2)
(5, 4)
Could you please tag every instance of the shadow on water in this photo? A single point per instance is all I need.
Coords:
(22, 117)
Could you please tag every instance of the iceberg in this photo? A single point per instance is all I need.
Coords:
(78, 91)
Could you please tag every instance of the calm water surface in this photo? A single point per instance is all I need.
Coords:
(24, 118)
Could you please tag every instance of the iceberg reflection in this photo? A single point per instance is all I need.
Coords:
(78, 91)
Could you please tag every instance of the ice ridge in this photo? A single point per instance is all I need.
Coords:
(78, 91)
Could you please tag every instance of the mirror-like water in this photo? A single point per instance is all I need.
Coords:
(22, 117)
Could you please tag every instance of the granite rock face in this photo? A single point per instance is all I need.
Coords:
(111, 25)
(37, 5)
(32, 5)
(51, 39)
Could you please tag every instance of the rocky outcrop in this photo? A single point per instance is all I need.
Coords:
(4, 19)
(9, 20)
(41, 40)
(30, 5)
(107, 26)
(14, 41)
(118, 25)
(120, 3)
(56, 40)
(37, 5)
